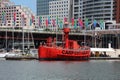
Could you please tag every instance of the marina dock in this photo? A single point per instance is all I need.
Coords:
(35, 58)
(104, 58)
(20, 58)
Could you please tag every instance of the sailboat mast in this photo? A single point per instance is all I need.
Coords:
(56, 33)
(13, 24)
(23, 40)
(6, 31)
(22, 23)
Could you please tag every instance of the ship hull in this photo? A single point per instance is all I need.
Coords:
(55, 53)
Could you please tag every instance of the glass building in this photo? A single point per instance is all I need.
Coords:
(43, 7)
(98, 9)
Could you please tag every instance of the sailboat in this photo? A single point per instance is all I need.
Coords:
(3, 52)
(26, 51)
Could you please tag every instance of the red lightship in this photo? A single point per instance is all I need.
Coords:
(69, 50)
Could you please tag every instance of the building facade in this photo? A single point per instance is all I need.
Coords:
(78, 9)
(91, 9)
(60, 8)
(98, 9)
(117, 11)
(3, 2)
(15, 15)
(55, 9)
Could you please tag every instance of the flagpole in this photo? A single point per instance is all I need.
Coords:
(92, 31)
(13, 33)
(56, 33)
(6, 36)
(85, 36)
(13, 36)
(23, 40)
(95, 34)
(22, 35)
(4, 22)
(85, 33)
(56, 29)
(31, 24)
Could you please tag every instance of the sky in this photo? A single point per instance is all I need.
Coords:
(28, 3)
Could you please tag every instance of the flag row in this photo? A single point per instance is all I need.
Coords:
(74, 22)
(14, 18)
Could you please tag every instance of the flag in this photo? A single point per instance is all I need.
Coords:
(72, 21)
(30, 22)
(3, 17)
(14, 18)
(46, 22)
(48, 19)
(80, 22)
(61, 24)
(101, 24)
(86, 22)
(32, 18)
(57, 20)
(40, 20)
(94, 23)
(53, 22)
(75, 24)
(23, 22)
(65, 19)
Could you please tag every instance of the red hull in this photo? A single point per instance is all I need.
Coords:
(55, 53)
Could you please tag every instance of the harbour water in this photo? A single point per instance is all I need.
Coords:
(60, 70)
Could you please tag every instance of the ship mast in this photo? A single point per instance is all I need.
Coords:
(66, 34)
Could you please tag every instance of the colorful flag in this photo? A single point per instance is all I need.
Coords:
(80, 22)
(94, 23)
(86, 22)
(33, 19)
(46, 22)
(48, 19)
(30, 22)
(61, 24)
(57, 20)
(14, 18)
(75, 24)
(53, 22)
(72, 21)
(40, 20)
(23, 22)
(65, 19)
(101, 24)
(3, 17)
